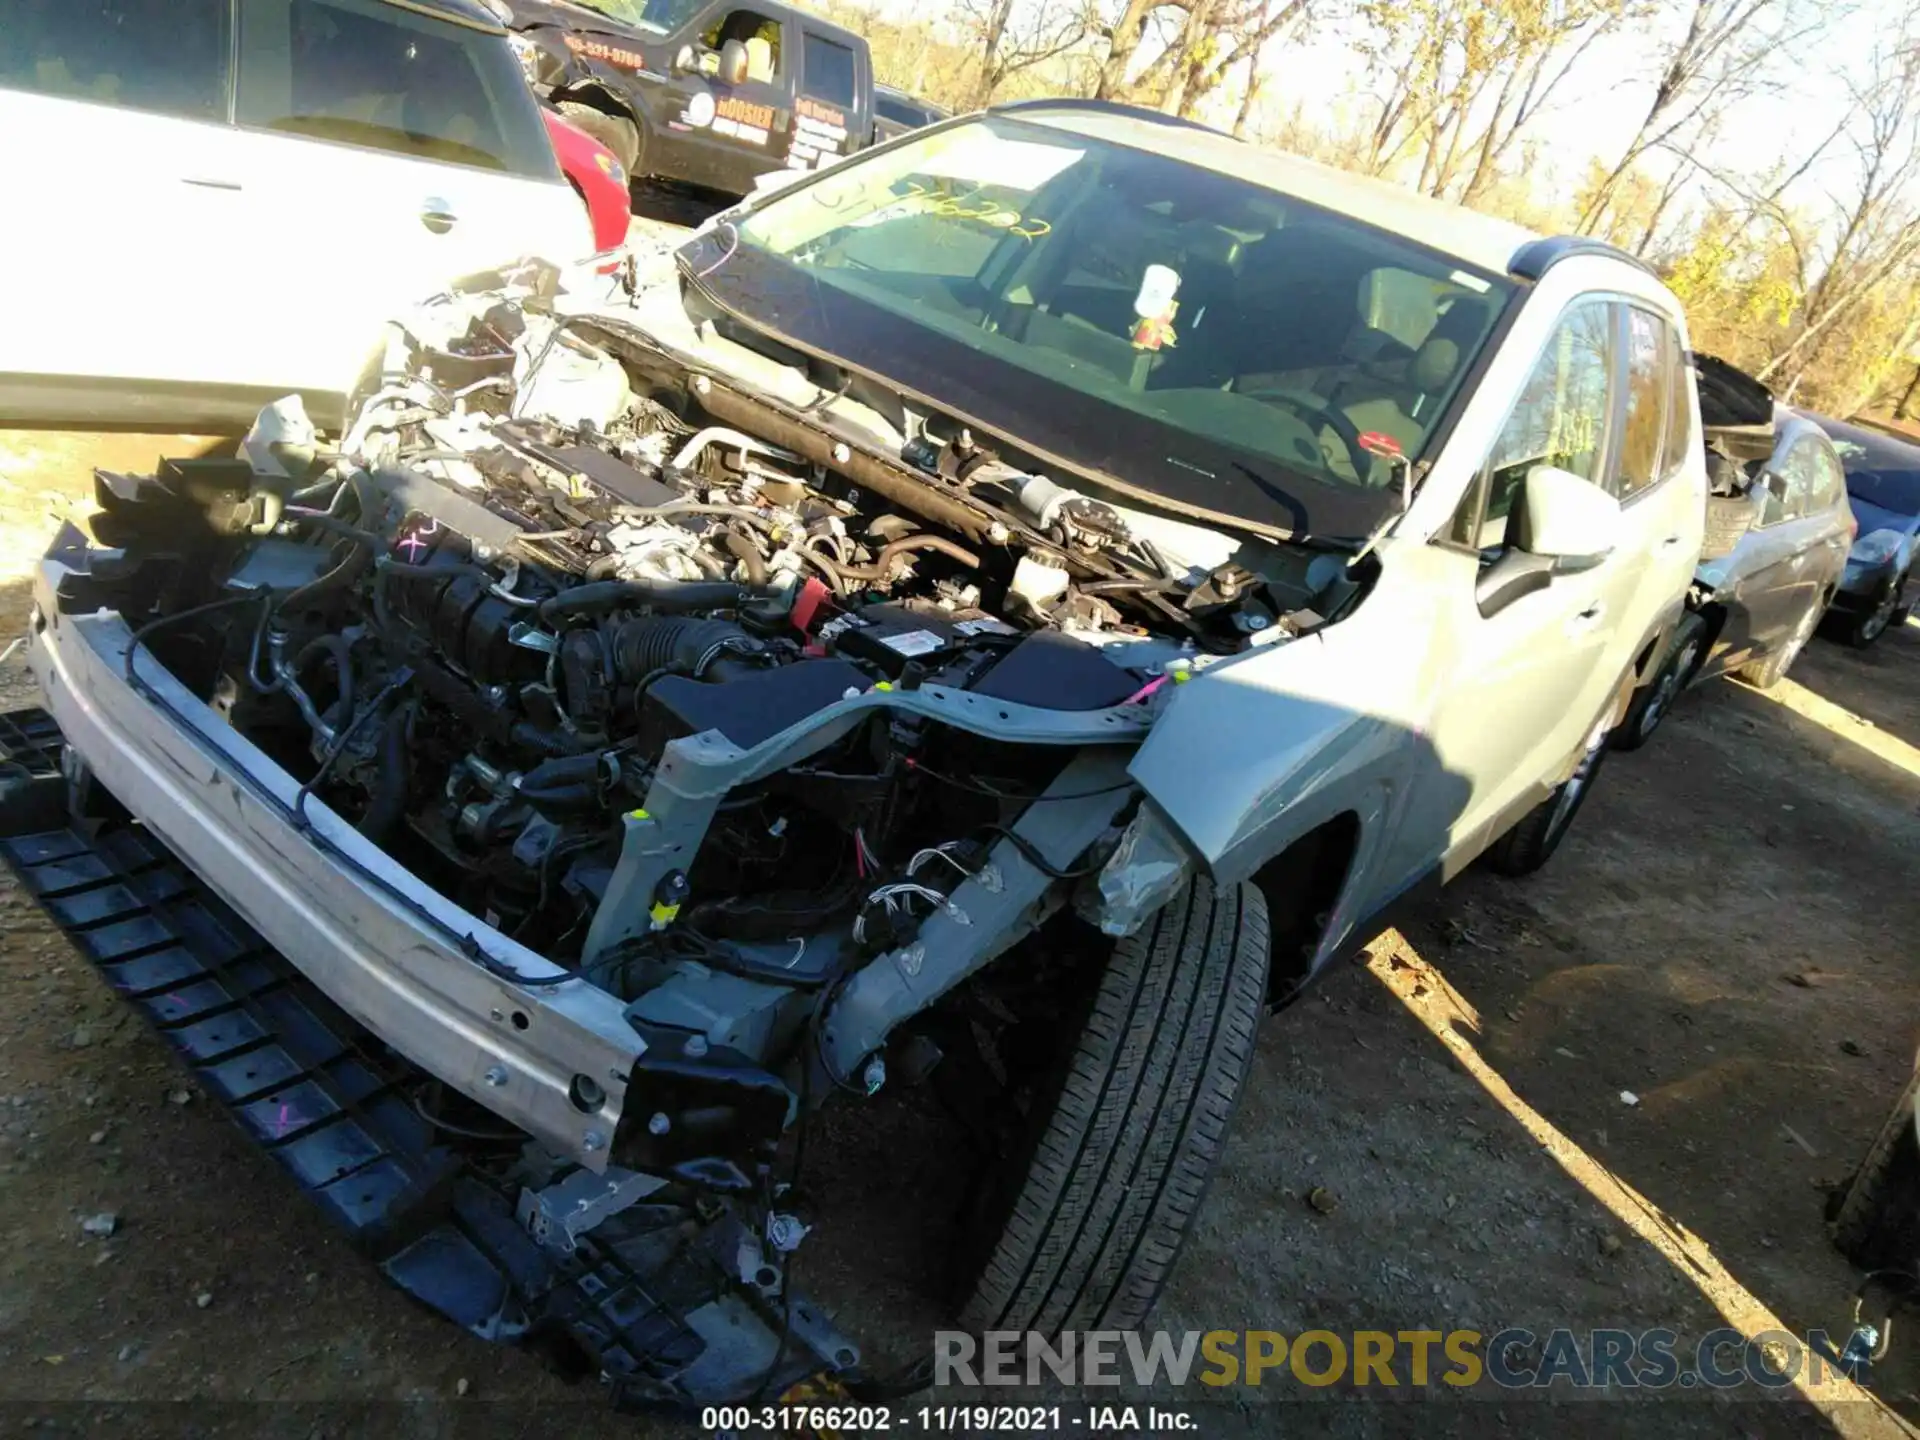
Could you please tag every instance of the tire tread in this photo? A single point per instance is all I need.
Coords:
(1120, 1166)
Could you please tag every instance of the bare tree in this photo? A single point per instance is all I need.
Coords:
(1249, 98)
(1016, 35)
(1721, 56)
(1216, 36)
(1542, 51)
(1459, 81)
(1874, 233)
(1123, 37)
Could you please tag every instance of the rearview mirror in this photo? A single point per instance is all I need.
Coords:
(1568, 519)
(733, 63)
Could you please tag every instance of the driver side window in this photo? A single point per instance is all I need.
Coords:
(761, 37)
(1560, 419)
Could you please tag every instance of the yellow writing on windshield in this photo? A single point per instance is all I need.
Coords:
(948, 206)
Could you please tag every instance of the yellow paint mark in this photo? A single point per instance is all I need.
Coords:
(1849, 1409)
(1847, 725)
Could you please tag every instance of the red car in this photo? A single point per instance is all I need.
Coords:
(600, 179)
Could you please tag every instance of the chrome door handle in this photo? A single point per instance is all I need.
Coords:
(437, 215)
(206, 183)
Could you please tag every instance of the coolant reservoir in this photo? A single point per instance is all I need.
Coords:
(1037, 582)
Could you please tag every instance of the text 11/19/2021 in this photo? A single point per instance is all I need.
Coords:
(743, 1420)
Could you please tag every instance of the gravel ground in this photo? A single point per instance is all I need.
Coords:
(1436, 1139)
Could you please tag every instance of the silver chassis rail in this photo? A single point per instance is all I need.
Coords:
(383, 945)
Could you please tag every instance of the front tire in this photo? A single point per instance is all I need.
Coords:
(1870, 626)
(1876, 1220)
(1083, 1229)
(1531, 843)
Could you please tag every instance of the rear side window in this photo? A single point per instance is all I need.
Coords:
(1804, 478)
(1647, 398)
(363, 73)
(1779, 487)
(169, 57)
(1560, 420)
(829, 72)
(1833, 480)
(898, 111)
(1402, 303)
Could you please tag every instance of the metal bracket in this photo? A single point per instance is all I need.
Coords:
(697, 771)
(983, 921)
(560, 1214)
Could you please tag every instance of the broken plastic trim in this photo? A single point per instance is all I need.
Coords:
(656, 1297)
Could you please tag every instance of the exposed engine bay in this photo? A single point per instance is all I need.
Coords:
(476, 632)
(773, 736)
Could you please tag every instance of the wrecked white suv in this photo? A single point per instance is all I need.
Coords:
(1016, 604)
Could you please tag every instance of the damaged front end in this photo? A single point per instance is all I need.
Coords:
(631, 758)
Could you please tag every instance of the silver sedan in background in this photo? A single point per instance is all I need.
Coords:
(1754, 607)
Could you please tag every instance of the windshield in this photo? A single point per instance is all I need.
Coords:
(1880, 470)
(663, 17)
(1210, 312)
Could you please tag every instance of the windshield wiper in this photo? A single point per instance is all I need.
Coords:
(1296, 514)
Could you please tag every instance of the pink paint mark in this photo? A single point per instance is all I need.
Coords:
(416, 544)
(280, 1127)
(1144, 691)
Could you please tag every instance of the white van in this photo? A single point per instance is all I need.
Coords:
(212, 203)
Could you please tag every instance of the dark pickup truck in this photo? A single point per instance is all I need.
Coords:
(707, 92)
(895, 112)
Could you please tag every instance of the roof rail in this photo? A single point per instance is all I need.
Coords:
(1102, 107)
(1533, 259)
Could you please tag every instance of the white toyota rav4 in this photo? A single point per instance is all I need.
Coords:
(1002, 613)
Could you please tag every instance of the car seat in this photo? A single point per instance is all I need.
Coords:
(760, 60)
(1403, 408)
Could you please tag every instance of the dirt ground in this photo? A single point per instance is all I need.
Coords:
(1728, 936)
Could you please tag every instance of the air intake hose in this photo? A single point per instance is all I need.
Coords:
(601, 596)
(706, 649)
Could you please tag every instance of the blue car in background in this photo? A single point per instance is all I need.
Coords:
(1883, 487)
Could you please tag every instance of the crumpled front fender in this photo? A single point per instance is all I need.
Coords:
(1254, 753)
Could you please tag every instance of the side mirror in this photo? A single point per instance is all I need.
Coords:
(770, 182)
(733, 63)
(1568, 519)
(685, 62)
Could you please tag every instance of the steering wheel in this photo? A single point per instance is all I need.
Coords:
(1309, 405)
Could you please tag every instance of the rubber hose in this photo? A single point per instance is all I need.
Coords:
(882, 568)
(335, 648)
(672, 596)
(675, 643)
(748, 554)
(458, 696)
(388, 803)
(444, 570)
(567, 787)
